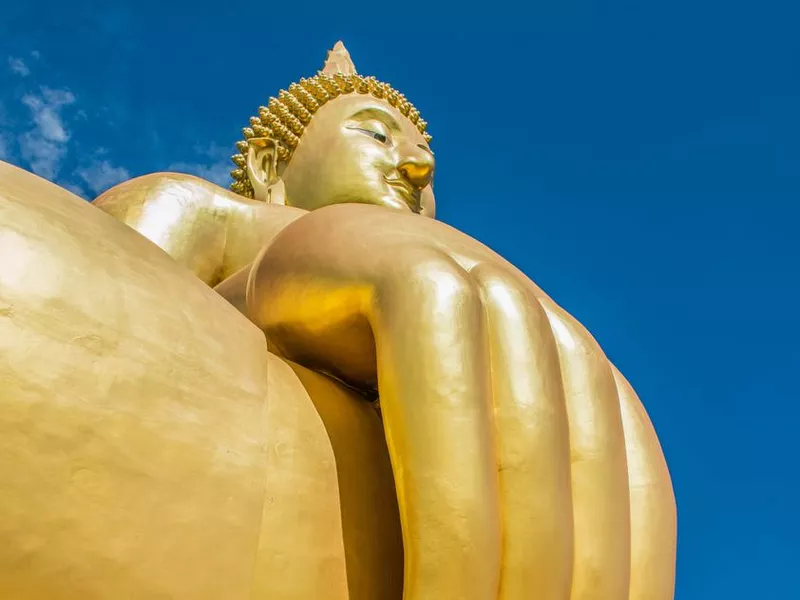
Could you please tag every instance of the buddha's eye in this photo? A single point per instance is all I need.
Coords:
(378, 136)
(374, 133)
(381, 137)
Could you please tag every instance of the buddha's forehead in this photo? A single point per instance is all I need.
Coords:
(356, 106)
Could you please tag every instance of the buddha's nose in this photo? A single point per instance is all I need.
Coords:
(417, 166)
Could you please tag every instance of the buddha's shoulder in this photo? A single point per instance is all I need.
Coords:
(176, 190)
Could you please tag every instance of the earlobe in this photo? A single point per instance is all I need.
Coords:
(276, 192)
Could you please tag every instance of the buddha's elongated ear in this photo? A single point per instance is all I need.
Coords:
(262, 170)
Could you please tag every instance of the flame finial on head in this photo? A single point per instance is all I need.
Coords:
(339, 61)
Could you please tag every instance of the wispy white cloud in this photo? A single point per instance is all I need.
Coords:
(46, 112)
(44, 139)
(18, 66)
(213, 164)
(44, 156)
(44, 146)
(100, 175)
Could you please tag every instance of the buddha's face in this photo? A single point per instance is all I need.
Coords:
(361, 149)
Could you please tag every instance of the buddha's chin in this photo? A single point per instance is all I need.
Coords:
(399, 200)
(390, 201)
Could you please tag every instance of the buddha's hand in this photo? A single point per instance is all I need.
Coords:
(507, 427)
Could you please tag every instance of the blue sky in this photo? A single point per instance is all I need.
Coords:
(639, 160)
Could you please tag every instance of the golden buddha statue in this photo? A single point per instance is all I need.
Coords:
(307, 387)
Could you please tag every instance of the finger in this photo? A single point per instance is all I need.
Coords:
(532, 441)
(599, 469)
(434, 387)
(653, 515)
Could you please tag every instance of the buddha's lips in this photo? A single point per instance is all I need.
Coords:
(410, 194)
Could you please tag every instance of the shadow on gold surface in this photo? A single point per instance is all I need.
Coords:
(370, 519)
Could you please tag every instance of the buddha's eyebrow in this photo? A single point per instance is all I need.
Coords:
(379, 115)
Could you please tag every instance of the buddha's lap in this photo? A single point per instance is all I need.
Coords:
(148, 437)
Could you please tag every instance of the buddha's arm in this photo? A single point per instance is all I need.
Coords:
(208, 229)
(523, 461)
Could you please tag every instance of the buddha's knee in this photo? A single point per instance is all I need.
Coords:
(427, 282)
